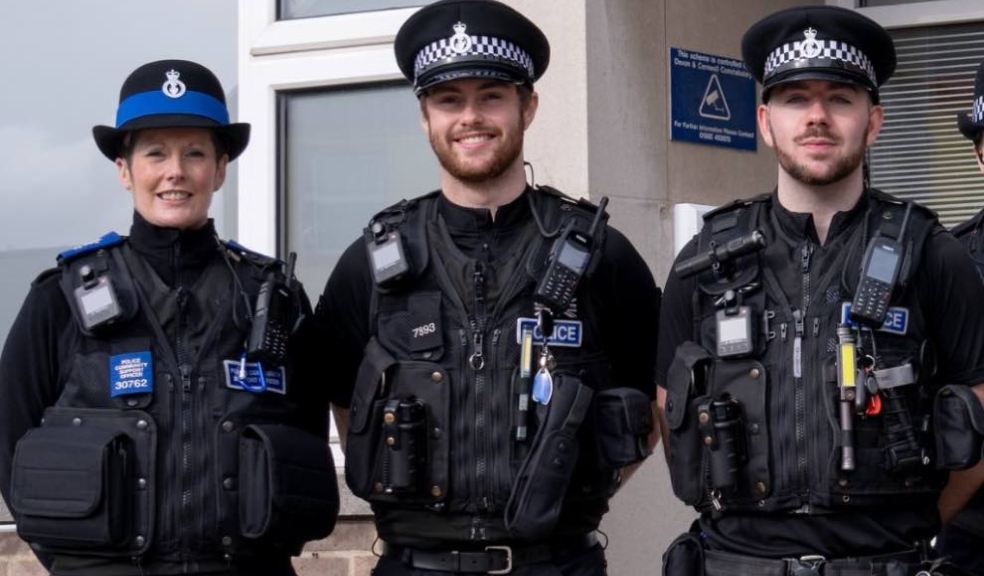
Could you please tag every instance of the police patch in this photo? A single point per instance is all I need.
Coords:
(131, 373)
(274, 379)
(566, 332)
(896, 319)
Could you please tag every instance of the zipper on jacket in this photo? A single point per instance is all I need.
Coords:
(799, 392)
(482, 441)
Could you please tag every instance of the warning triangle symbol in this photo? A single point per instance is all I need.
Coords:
(715, 105)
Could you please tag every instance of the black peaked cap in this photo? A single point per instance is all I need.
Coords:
(819, 43)
(971, 125)
(457, 39)
(171, 94)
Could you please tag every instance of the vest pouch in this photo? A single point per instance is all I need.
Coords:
(684, 557)
(411, 453)
(71, 488)
(745, 381)
(541, 484)
(365, 418)
(959, 420)
(288, 492)
(624, 420)
(686, 388)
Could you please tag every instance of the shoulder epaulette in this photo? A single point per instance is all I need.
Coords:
(886, 198)
(397, 212)
(45, 275)
(969, 226)
(245, 253)
(107, 240)
(735, 205)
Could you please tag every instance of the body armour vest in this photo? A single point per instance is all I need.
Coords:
(971, 235)
(438, 427)
(759, 430)
(192, 461)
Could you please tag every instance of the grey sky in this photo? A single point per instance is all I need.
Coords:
(62, 66)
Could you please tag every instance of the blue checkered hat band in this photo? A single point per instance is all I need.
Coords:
(977, 115)
(829, 50)
(484, 46)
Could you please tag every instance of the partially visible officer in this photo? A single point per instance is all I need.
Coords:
(819, 368)
(962, 539)
(481, 448)
(151, 384)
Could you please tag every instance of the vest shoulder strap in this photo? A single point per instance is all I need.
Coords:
(239, 252)
(965, 228)
(106, 241)
(722, 225)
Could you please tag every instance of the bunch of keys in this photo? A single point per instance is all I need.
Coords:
(543, 381)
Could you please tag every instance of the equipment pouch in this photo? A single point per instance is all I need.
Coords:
(365, 418)
(413, 436)
(288, 493)
(624, 420)
(542, 481)
(71, 488)
(686, 383)
(959, 419)
(684, 557)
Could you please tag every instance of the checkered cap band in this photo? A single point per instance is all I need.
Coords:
(486, 46)
(829, 50)
(977, 115)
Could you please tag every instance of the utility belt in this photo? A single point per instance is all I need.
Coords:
(686, 556)
(492, 558)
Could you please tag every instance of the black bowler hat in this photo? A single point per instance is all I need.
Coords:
(818, 43)
(171, 94)
(972, 124)
(457, 39)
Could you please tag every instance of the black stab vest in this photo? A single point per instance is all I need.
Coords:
(790, 437)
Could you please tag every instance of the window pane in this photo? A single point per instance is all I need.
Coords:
(349, 154)
(290, 9)
(920, 154)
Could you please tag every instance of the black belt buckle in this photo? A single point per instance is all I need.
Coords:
(811, 565)
(509, 558)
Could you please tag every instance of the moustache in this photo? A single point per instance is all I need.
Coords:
(815, 132)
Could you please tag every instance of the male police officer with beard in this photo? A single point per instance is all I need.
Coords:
(153, 384)
(819, 370)
(962, 539)
(495, 341)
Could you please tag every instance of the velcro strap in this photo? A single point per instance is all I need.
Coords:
(889, 378)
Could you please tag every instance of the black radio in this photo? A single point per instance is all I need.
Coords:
(879, 272)
(570, 257)
(274, 317)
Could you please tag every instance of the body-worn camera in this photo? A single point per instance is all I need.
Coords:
(405, 437)
(96, 299)
(387, 254)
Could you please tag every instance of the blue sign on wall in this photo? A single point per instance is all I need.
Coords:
(712, 100)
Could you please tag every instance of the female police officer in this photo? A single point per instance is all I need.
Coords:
(172, 404)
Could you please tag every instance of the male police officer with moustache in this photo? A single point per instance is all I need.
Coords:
(962, 539)
(819, 371)
(495, 341)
